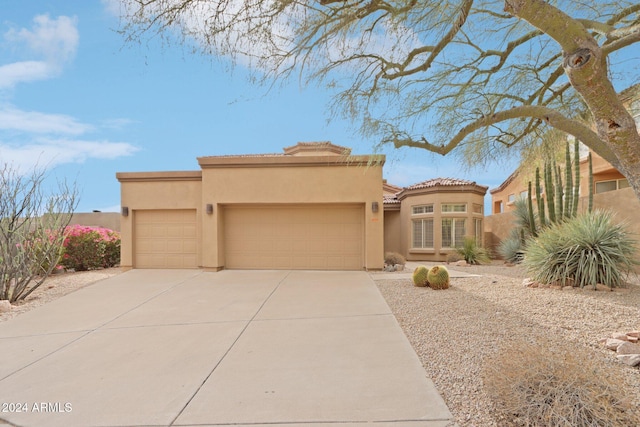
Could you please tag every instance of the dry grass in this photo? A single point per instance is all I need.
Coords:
(538, 384)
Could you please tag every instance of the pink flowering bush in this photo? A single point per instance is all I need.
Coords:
(90, 248)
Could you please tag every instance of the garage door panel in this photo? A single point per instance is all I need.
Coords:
(294, 237)
(165, 239)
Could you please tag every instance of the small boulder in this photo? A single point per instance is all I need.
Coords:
(399, 267)
(568, 288)
(634, 334)
(589, 288)
(613, 344)
(389, 268)
(461, 263)
(628, 348)
(528, 282)
(601, 287)
(629, 359)
(620, 336)
(5, 306)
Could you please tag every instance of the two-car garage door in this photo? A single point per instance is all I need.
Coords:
(319, 237)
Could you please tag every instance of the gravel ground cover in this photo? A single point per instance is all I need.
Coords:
(57, 286)
(453, 331)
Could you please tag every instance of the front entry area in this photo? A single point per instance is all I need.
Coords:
(316, 237)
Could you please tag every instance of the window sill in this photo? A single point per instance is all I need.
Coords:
(422, 251)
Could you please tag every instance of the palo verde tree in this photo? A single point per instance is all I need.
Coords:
(477, 76)
(32, 224)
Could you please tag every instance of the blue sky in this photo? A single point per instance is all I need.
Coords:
(76, 99)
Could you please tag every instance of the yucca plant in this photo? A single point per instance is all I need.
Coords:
(472, 253)
(581, 251)
(511, 249)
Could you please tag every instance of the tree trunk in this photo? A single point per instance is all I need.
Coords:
(586, 66)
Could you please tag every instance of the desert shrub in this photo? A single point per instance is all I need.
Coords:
(511, 249)
(438, 277)
(393, 258)
(454, 257)
(45, 255)
(472, 253)
(90, 248)
(420, 276)
(541, 384)
(581, 251)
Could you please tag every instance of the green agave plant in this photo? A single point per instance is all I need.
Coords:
(581, 251)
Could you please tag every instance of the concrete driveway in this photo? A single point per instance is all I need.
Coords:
(192, 348)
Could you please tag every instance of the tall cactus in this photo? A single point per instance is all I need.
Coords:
(532, 219)
(541, 216)
(568, 183)
(576, 183)
(550, 189)
(559, 192)
(590, 184)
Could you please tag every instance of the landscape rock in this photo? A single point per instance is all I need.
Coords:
(5, 306)
(461, 263)
(528, 282)
(628, 348)
(635, 334)
(399, 267)
(620, 336)
(629, 359)
(589, 288)
(613, 344)
(389, 268)
(601, 287)
(568, 288)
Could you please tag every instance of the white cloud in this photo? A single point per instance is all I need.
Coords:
(14, 119)
(46, 152)
(52, 41)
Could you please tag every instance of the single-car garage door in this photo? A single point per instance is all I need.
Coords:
(319, 237)
(165, 238)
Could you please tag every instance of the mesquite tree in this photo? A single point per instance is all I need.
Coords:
(478, 76)
(32, 224)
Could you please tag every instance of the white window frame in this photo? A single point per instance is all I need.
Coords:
(620, 183)
(424, 236)
(477, 222)
(457, 235)
(444, 208)
(422, 209)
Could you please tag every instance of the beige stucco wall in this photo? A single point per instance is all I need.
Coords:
(437, 198)
(326, 180)
(623, 203)
(392, 231)
(156, 190)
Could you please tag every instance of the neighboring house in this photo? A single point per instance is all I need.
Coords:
(611, 189)
(315, 206)
(428, 220)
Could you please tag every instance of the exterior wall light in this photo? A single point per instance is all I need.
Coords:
(374, 207)
(125, 211)
(209, 209)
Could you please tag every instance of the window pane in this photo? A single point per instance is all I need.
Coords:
(512, 198)
(417, 234)
(604, 186)
(459, 232)
(416, 210)
(427, 225)
(460, 207)
(447, 232)
(623, 183)
(479, 232)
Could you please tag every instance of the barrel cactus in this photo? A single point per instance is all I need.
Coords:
(420, 276)
(438, 277)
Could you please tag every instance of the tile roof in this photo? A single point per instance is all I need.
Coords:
(390, 199)
(441, 181)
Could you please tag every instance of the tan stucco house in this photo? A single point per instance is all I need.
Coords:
(428, 220)
(314, 206)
